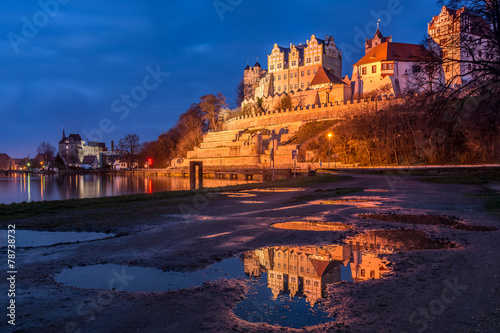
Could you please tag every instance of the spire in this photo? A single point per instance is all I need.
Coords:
(64, 134)
(378, 24)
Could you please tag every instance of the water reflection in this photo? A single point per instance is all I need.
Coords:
(306, 271)
(28, 188)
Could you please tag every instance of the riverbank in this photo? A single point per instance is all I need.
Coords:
(186, 231)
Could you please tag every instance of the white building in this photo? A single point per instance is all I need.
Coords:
(387, 67)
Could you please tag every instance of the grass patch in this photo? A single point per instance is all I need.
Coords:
(25, 210)
(321, 194)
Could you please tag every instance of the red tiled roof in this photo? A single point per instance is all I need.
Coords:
(321, 266)
(325, 76)
(395, 52)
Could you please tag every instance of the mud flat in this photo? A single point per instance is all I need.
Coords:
(370, 275)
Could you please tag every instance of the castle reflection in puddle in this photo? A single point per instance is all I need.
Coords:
(306, 271)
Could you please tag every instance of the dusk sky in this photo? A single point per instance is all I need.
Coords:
(70, 68)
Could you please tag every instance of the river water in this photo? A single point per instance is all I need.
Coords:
(17, 188)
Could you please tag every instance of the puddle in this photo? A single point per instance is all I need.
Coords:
(287, 284)
(30, 238)
(312, 226)
(376, 190)
(238, 194)
(252, 202)
(427, 219)
(277, 190)
(143, 279)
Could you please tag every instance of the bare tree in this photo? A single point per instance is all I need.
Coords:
(129, 145)
(46, 150)
(211, 105)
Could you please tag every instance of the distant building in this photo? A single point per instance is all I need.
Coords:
(73, 149)
(6, 163)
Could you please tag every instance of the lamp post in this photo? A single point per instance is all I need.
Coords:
(329, 148)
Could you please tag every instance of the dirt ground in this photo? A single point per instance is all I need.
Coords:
(445, 290)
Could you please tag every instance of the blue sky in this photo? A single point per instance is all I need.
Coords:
(69, 63)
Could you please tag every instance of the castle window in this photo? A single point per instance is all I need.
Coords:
(271, 275)
(284, 77)
(292, 279)
(447, 68)
(374, 69)
(362, 272)
(302, 269)
(363, 71)
(295, 86)
(316, 58)
(296, 74)
(308, 60)
(284, 255)
(279, 65)
(294, 63)
(302, 85)
(301, 258)
(279, 265)
(416, 69)
(279, 88)
(308, 282)
(372, 274)
(316, 284)
(308, 270)
(279, 255)
(302, 73)
(284, 266)
(315, 71)
(284, 88)
(308, 72)
(271, 67)
(279, 77)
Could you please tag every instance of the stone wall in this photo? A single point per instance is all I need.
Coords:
(337, 110)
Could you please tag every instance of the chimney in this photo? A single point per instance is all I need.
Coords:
(112, 145)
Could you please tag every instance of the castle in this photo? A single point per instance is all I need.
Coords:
(303, 84)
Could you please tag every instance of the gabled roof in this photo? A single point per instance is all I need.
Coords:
(90, 160)
(4, 157)
(321, 266)
(395, 52)
(325, 76)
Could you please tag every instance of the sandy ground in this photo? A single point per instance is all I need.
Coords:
(447, 290)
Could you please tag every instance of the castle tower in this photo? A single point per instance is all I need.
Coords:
(450, 31)
(377, 39)
(251, 79)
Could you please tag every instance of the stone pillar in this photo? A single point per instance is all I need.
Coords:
(192, 174)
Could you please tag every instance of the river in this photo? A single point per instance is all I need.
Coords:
(17, 188)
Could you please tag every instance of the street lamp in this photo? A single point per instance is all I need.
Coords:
(329, 148)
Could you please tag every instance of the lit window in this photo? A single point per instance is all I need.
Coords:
(372, 274)
(272, 67)
(363, 71)
(374, 69)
